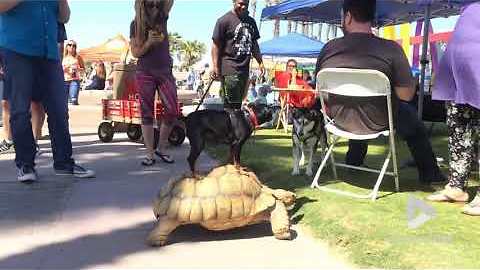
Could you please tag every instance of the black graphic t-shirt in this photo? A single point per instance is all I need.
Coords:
(235, 37)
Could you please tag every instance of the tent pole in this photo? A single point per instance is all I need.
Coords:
(424, 61)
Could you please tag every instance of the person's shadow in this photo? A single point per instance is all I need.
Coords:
(104, 248)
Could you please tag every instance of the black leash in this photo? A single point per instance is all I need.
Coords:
(205, 94)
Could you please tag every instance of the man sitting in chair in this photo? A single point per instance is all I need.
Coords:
(361, 49)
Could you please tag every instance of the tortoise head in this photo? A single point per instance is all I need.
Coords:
(287, 197)
(156, 208)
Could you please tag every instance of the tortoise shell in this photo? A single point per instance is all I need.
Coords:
(225, 193)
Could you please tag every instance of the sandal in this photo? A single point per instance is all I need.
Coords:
(148, 162)
(452, 195)
(165, 158)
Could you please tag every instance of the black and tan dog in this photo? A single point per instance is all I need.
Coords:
(219, 127)
(308, 132)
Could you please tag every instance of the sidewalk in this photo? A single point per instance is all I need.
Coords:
(61, 223)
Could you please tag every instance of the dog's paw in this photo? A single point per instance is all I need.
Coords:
(295, 172)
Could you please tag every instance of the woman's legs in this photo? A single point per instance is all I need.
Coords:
(148, 139)
(74, 88)
(38, 118)
(460, 120)
(147, 87)
(165, 127)
(168, 95)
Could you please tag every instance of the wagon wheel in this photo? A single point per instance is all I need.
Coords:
(105, 132)
(134, 132)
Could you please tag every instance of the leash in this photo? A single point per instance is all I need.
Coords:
(204, 94)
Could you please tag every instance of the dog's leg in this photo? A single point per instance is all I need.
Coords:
(196, 147)
(296, 153)
(235, 153)
(231, 155)
(311, 154)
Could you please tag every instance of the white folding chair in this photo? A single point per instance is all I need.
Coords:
(355, 83)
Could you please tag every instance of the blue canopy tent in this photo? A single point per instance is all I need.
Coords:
(389, 12)
(293, 44)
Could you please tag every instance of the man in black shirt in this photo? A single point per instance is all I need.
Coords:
(234, 42)
(360, 49)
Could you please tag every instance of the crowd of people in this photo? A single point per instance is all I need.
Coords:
(235, 43)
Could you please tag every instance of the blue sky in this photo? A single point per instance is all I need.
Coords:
(94, 21)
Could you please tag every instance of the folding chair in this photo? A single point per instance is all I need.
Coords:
(355, 83)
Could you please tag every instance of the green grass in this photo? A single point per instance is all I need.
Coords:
(371, 234)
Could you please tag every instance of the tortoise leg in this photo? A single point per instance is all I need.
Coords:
(280, 222)
(158, 236)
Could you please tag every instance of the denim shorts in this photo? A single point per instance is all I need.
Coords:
(1, 90)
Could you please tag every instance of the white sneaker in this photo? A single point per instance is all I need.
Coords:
(26, 174)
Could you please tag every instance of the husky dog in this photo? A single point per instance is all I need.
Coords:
(308, 132)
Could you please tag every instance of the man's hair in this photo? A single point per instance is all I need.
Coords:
(362, 10)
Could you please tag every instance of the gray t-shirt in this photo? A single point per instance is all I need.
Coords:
(236, 38)
(365, 51)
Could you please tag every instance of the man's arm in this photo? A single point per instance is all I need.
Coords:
(215, 60)
(63, 11)
(402, 75)
(138, 50)
(258, 56)
(6, 5)
(405, 93)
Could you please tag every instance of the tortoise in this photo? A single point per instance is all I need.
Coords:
(226, 198)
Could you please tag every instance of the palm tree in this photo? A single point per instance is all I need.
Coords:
(253, 7)
(192, 52)
(176, 42)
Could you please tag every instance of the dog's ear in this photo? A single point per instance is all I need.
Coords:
(313, 114)
(296, 113)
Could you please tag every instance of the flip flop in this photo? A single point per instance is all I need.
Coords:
(444, 197)
(165, 158)
(147, 162)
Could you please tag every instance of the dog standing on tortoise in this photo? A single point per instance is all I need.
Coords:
(219, 127)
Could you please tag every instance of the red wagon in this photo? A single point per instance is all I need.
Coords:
(122, 114)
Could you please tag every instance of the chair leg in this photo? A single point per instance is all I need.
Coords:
(334, 168)
(380, 176)
(394, 160)
(333, 139)
(322, 165)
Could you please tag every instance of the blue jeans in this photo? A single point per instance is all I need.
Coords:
(25, 74)
(412, 130)
(72, 88)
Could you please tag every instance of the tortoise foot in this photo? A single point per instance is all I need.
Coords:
(283, 235)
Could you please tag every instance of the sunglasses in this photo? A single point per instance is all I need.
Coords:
(294, 66)
(72, 45)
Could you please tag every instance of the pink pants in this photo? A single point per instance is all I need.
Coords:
(148, 85)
